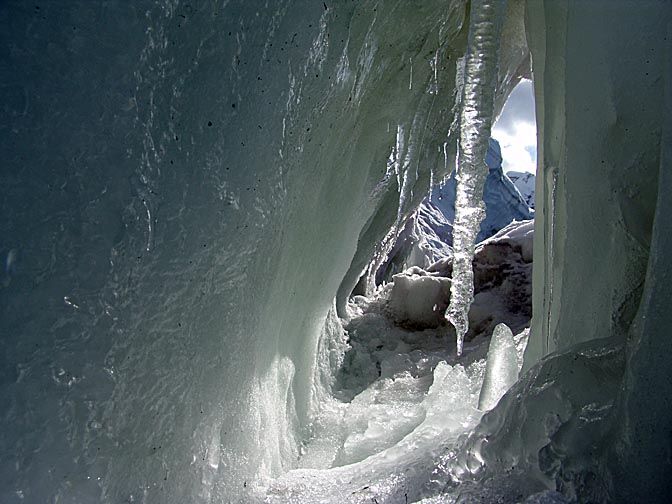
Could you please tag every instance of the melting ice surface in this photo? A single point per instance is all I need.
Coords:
(401, 399)
(501, 370)
(402, 402)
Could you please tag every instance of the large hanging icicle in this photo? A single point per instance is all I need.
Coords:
(480, 78)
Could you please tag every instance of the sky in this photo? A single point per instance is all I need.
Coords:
(516, 130)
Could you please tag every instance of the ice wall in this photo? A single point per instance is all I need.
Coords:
(599, 152)
(591, 416)
(184, 188)
(602, 87)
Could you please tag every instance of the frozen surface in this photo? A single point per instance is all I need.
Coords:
(477, 110)
(519, 235)
(643, 413)
(546, 429)
(187, 186)
(601, 200)
(419, 297)
(598, 191)
(403, 401)
(399, 400)
(501, 370)
(546, 497)
(502, 279)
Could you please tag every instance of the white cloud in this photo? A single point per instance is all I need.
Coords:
(516, 130)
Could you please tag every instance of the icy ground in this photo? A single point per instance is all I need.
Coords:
(401, 400)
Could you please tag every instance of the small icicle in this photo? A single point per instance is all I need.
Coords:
(480, 80)
(501, 368)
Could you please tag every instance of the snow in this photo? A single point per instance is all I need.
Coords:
(524, 182)
(419, 298)
(516, 234)
(502, 283)
(400, 400)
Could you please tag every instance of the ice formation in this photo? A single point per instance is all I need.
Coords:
(480, 81)
(546, 431)
(402, 400)
(501, 370)
(192, 190)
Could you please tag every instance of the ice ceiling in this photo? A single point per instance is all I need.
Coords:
(191, 190)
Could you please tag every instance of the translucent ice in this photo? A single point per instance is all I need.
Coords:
(547, 428)
(480, 76)
(428, 235)
(501, 370)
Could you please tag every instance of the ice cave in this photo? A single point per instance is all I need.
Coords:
(235, 235)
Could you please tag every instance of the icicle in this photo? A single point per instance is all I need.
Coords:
(501, 369)
(480, 79)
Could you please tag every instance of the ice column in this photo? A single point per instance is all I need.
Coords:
(480, 80)
(501, 370)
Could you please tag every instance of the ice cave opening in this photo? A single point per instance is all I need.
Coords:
(226, 255)
(516, 131)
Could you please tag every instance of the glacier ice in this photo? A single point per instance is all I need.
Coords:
(478, 93)
(192, 190)
(185, 187)
(408, 401)
(547, 429)
(501, 370)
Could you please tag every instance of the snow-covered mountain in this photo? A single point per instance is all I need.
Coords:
(428, 235)
(524, 182)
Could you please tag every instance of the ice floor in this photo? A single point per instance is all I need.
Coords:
(401, 403)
